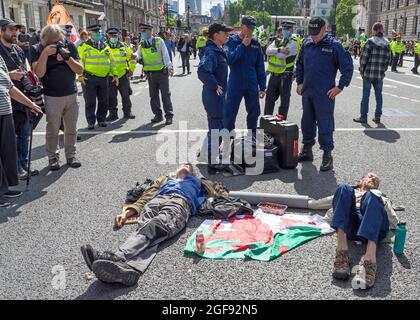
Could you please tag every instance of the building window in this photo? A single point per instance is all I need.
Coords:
(29, 15)
(43, 14)
(415, 24)
(404, 26)
(386, 26)
(395, 24)
(388, 7)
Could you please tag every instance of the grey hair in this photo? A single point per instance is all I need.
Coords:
(50, 31)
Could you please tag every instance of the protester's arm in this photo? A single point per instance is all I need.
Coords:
(18, 96)
(40, 65)
(74, 62)
(206, 71)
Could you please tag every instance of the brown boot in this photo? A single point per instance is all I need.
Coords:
(365, 276)
(341, 268)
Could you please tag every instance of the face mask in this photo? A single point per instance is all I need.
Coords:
(286, 33)
(144, 35)
(97, 36)
(113, 41)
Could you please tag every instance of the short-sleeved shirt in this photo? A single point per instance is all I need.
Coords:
(5, 85)
(59, 80)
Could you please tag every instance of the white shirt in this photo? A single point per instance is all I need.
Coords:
(164, 51)
(292, 46)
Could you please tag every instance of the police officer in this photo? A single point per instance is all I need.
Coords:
(316, 69)
(281, 62)
(157, 65)
(201, 42)
(98, 66)
(397, 48)
(125, 64)
(213, 71)
(416, 57)
(247, 78)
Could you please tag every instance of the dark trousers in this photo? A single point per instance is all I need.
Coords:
(364, 105)
(124, 90)
(416, 62)
(395, 59)
(159, 81)
(369, 222)
(278, 86)
(401, 60)
(195, 53)
(233, 101)
(96, 89)
(8, 169)
(318, 113)
(161, 219)
(185, 57)
(23, 131)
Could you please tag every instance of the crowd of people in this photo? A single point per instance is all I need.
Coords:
(104, 63)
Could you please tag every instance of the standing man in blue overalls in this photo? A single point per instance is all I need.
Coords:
(247, 77)
(213, 72)
(320, 58)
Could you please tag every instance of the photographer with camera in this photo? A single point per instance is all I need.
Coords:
(14, 58)
(56, 62)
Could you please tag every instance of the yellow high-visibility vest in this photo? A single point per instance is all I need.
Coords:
(152, 56)
(201, 42)
(397, 47)
(99, 63)
(417, 48)
(279, 65)
(123, 60)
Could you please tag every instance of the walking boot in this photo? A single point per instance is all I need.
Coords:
(306, 154)
(113, 116)
(327, 161)
(115, 272)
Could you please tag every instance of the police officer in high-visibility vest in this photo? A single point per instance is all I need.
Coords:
(397, 49)
(125, 64)
(98, 66)
(157, 65)
(201, 42)
(416, 57)
(281, 62)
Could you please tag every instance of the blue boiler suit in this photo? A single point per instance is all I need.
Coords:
(213, 72)
(316, 69)
(369, 222)
(247, 74)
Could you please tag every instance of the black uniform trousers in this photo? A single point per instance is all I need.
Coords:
(395, 59)
(159, 81)
(279, 85)
(96, 88)
(125, 90)
(401, 59)
(416, 61)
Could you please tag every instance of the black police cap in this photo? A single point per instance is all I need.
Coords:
(315, 25)
(217, 27)
(112, 31)
(95, 28)
(249, 21)
(145, 26)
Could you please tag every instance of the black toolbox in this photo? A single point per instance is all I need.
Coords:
(286, 138)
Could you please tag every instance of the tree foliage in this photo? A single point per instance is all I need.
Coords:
(344, 17)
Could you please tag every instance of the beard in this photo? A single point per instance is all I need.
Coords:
(9, 39)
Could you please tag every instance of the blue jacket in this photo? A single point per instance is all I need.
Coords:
(317, 65)
(247, 70)
(213, 68)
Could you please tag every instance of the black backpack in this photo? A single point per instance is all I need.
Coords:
(135, 193)
(225, 207)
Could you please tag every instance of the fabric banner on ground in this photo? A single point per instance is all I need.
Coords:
(260, 237)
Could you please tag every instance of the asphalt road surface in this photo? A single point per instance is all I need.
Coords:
(40, 234)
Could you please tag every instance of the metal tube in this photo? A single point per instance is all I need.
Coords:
(292, 201)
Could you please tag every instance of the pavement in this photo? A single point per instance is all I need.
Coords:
(41, 233)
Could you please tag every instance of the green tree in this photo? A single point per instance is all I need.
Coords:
(344, 17)
(262, 18)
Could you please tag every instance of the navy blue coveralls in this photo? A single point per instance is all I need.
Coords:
(316, 69)
(247, 74)
(213, 72)
(369, 222)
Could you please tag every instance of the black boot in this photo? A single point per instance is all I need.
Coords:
(306, 154)
(157, 119)
(327, 161)
(90, 255)
(113, 116)
(115, 272)
(129, 116)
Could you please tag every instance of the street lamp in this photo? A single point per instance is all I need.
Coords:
(188, 17)
(123, 18)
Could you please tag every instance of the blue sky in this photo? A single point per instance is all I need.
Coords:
(206, 5)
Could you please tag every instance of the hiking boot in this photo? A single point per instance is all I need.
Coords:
(54, 165)
(377, 120)
(327, 161)
(365, 276)
(129, 116)
(341, 268)
(73, 162)
(23, 175)
(306, 154)
(157, 119)
(115, 272)
(12, 194)
(112, 117)
(168, 121)
(91, 126)
(4, 203)
(360, 120)
(91, 255)
(102, 124)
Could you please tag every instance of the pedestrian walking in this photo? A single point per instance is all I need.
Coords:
(185, 48)
(374, 61)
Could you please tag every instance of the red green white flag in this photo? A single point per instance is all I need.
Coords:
(260, 236)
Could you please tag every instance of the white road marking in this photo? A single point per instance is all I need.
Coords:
(118, 132)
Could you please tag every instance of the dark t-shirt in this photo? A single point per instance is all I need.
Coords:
(59, 80)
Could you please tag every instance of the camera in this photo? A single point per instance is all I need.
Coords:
(62, 50)
(33, 91)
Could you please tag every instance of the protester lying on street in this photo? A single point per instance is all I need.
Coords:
(165, 208)
(360, 213)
